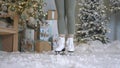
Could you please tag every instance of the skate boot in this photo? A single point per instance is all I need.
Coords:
(61, 46)
(70, 45)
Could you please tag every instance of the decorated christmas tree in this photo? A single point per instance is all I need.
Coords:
(92, 24)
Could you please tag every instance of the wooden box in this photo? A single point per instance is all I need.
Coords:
(42, 46)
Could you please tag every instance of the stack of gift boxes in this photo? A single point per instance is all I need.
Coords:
(48, 33)
(49, 28)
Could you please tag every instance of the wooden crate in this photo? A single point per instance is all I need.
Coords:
(10, 36)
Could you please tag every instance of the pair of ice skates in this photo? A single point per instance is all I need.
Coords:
(61, 45)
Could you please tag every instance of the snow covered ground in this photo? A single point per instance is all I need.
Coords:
(91, 55)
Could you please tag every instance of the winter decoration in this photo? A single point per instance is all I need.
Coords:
(92, 21)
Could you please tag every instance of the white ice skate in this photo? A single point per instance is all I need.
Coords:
(70, 45)
(61, 46)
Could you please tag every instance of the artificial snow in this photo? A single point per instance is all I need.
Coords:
(93, 54)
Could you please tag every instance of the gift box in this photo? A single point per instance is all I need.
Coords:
(44, 32)
(52, 15)
(49, 30)
(42, 46)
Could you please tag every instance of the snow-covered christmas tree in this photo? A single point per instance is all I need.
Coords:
(93, 20)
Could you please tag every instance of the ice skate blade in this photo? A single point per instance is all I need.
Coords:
(63, 49)
(59, 53)
(70, 53)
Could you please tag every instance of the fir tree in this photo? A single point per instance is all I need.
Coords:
(92, 21)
